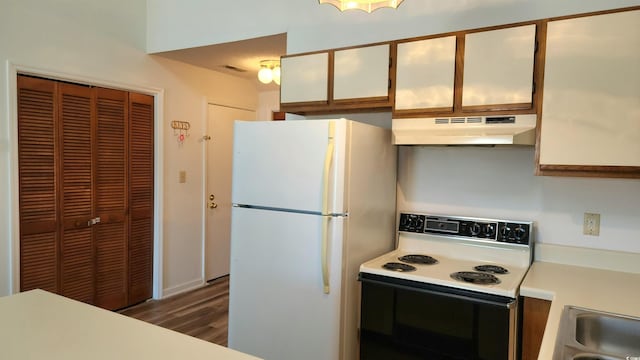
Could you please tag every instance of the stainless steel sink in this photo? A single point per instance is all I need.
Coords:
(586, 334)
(608, 333)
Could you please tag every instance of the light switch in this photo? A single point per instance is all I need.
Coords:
(182, 176)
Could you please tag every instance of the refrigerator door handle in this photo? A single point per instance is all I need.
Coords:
(326, 173)
(328, 159)
(325, 246)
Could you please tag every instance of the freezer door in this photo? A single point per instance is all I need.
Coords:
(282, 164)
(277, 307)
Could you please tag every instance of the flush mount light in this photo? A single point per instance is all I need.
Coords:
(269, 71)
(366, 5)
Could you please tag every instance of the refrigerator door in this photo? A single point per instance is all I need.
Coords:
(287, 164)
(277, 307)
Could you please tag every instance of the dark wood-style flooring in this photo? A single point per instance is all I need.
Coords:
(202, 312)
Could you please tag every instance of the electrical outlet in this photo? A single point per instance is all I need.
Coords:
(182, 176)
(591, 224)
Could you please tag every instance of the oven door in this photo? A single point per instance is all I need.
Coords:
(403, 319)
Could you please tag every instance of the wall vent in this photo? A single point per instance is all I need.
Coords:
(233, 68)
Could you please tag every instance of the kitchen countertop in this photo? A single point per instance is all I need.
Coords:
(599, 289)
(40, 325)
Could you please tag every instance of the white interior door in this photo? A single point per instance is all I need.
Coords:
(218, 189)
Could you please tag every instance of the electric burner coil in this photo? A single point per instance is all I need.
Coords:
(418, 259)
(400, 267)
(475, 277)
(492, 269)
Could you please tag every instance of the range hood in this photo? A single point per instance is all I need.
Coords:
(471, 130)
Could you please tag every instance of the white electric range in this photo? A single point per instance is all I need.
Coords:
(501, 248)
(449, 291)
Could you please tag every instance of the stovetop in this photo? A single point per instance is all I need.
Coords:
(453, 245)
(440, 273)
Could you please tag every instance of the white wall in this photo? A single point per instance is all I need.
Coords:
(556, 204)
(268, 102)
(311, 26)
(105, 41)
(500, 183)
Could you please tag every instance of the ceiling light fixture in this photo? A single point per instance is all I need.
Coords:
(269, 71)
(366, 5)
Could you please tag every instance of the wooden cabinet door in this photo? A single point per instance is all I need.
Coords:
(37, 159)
(498, 69)
(590, 118)
(425, 73)
(141, 142)
(361, 73)
(305, 79)
(534, 319)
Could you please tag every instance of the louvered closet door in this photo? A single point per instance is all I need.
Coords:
(76, 120)
(86, 192)
(37, 181)
(110, 186)
(140, 197)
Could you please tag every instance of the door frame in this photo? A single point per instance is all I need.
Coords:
(205, 139)
(13, 69)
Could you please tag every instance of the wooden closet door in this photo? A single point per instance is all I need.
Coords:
(141, 141)
(37, 158)
(76, 121)
(111, 233)
(86, 191)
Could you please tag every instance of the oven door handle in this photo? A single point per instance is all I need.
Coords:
(509, 305)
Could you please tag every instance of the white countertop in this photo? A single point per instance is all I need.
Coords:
(598, 289)
(40, 325)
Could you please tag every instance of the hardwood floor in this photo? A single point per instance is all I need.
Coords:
(202, 313)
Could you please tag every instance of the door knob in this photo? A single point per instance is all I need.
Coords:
(211, 197)
(212, 205)
(92, 221)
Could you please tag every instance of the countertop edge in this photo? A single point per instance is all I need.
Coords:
(31, 323)
(573, 285)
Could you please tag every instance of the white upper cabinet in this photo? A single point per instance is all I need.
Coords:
(304, 78)
(425, 72)
(498, 66)
(591, 98)
(361, 73)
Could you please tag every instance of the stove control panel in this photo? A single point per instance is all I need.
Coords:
(502, 231)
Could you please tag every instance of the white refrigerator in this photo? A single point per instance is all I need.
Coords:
(312, 200)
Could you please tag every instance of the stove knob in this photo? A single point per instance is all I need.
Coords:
(505, 231)
(475, 229)
(520, 233)
(489, 230)
(413, 223)
(408, 222)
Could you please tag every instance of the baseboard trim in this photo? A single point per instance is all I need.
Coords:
(184, 287)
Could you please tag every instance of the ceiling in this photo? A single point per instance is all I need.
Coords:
(238, 58)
